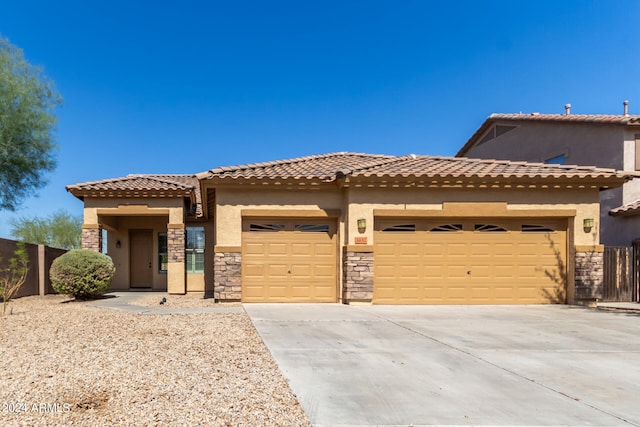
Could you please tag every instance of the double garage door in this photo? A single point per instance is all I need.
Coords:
(456, 261)
(421, 261)
(292, 260)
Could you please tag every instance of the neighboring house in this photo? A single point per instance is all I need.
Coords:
(349, 227)
(607, 141)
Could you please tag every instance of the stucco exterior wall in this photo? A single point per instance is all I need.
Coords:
(362, 203)
(231, 202)
(538, 142)
(609, 146)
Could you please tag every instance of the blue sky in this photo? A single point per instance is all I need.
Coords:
(182, 87)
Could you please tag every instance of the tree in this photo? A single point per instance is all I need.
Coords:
(13, 275)
(60, 230)
(27, 124)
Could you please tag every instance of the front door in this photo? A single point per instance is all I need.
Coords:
(141, 258)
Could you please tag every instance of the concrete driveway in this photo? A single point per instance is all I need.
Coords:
(460, 365)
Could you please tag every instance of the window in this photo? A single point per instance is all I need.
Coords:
(488, 228)
(313, 228)
(266, 227)
(557, 160)
(495, 132)
(532, 228)
(194, 250)
(163, 253)
(447, 227)
(401, 227)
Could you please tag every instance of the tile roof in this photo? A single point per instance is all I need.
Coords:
(166, 184)
(321, 166)
(329, 167)
(629, 209)
(581, 118)
(625, 120)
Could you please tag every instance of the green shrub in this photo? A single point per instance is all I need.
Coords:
(81, 273)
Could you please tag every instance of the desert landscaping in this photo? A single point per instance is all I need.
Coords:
(66, 362)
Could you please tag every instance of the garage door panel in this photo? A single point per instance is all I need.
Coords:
(296, 263)
(507, 265)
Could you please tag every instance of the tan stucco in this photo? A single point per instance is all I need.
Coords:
(574, 204)
(176, 278)
(230, 204)
(589, 144)
(119, 216)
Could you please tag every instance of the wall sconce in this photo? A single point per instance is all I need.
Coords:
(587, 224)
(362, 225)
(118, 244)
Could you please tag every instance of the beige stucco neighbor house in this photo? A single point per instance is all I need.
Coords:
(609, 141)
(350, 227)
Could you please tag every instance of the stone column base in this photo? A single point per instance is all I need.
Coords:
(227, 276)
(589, 277)
(358, 277)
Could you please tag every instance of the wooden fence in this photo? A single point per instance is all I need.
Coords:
(40, 259)
(620, 278)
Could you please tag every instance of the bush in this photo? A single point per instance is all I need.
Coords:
(81, 273)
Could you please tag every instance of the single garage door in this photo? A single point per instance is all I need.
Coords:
(292, 260)
(454, 261)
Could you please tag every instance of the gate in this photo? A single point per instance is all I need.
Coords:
(619, 277)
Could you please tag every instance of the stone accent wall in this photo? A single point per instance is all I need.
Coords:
(92, 239)
(227, 276)
(358, 276)
(589, 275)
(175, 244)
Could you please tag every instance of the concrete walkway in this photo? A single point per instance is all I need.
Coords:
(456, 365)
(122, 301)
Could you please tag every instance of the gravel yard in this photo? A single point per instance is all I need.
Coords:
(68, 363)
(180, 301)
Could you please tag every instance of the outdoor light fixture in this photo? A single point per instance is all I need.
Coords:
(362, 225)
(587, 224)
(118, 244)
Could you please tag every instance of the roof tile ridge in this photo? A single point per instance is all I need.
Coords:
(283, 162)
(268, 163)
(163, 181)
(387, 161)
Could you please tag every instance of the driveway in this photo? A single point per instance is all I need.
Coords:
(460, 365)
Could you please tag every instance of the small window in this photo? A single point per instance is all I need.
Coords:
(266, 227)
(557, 160)
(447, 227)
(502, 129)
(194, 250)
(489, 228)
(531, 228)
(313, 228)
(163, 253)
(406, 228)
(496, 131)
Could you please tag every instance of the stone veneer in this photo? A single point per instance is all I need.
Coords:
(227, 276)
(589, 275)
(92, 238)
(175, 244)
(358, 276)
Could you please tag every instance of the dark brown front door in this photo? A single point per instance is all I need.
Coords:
(141, 257)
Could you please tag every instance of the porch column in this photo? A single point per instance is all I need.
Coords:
(92, 237)
(176, 283)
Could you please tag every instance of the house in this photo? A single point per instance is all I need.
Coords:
(609, 141)
(351, 228)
